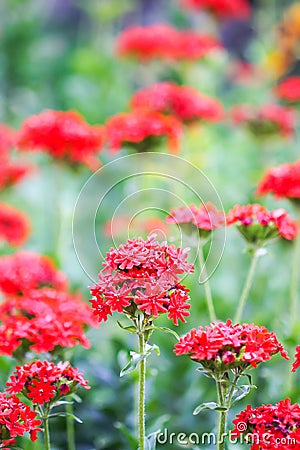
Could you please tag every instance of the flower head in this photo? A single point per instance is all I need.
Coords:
(221, 8)
(296, 363)
(142, 275)
(43, 320)
(24, 271)
(223, 346)
(44, 382)
(269, 427)
(143, 130)
(183, 102)
(16, 419)
(11, 172)
(204, 219)
(161, 41)
(257, 224)
(282, 181)
(14, 225)
(266, 121)
(64, 135)
(288, 90)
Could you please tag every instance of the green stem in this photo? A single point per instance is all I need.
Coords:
(207, 289)
(247, 287)
(222, 415)
(141, 400)
(294, 295)
(46, 432)
(70, 426)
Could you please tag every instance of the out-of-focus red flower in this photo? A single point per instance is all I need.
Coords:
(64, 135)
(281, 181)
(205, 218)
(183, 102)
(257, 224)
(222, 8)
(143, 130)
(161, 41)
(24, 271)
(288, 90)
(124, 225)
(247, 343)
(266, 121)
(16, 419)
(14, 225)
(43, 320)
(269, 427)
(40, 381)
(142, 275)
(11, 172)
(296, 363)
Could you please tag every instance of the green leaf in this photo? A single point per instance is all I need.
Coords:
(210, 405)
(130, 329)
(165, 330)
(135, 359)
(150, 347)
(132, 440)
(62, 414)
(205, 372)
(242, 391)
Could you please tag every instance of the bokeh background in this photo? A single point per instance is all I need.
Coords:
(60, 54)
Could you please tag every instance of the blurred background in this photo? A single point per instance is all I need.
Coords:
(61, 55)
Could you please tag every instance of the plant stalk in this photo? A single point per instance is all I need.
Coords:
(222, 415)
(206, 284)
(247, 287)
(141, 398)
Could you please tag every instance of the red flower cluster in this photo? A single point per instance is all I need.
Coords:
(24, 271)
(296, 363)
(228, 345)
(282, 181)
(268, 120)
(206, 217)
(14, 225)
(165, 42)
(222, 8)
(142, 275)
(143, 130)
(289, 90)
(257, 224)
(43, 382)
(269, 427)
(64, 135)
(43, 321)
(10, 171)
(16, 418)
(184, 102)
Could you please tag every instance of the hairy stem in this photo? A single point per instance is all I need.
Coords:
(247, 287)
(70, 427)
(222, 415)
(141, 399)
(206, 284)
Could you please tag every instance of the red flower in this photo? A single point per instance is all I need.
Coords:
(43, 320)
(41, 381)
(269, 427)
(164, 42)
(296, 363)
(142, 275)
(206, 217)
(143, 130)
(222, 8)
(223, 345)
(289, 90)
(16, 418)
(64, 135)
(183, 102)
(282, 181)
(24, 271)
(268, 120)
(10, 171)
(257, 224)
(14, 225)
